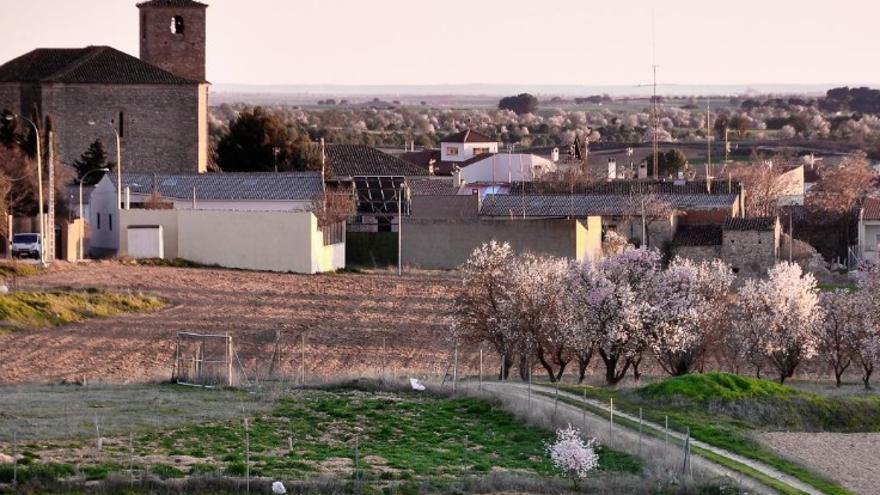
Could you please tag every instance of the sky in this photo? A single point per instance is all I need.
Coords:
(418, 42)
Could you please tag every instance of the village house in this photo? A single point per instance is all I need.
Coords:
(157, 104)
(869, 230)
(749, 245)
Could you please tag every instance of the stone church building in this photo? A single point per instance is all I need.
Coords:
(158, 103)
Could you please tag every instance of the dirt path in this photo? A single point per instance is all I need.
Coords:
(343, 316)
(624, 438)
(850, 458)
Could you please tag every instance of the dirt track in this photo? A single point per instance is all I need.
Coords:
(344, 317)
(849, 458)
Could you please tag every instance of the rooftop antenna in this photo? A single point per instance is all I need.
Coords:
(655, 118)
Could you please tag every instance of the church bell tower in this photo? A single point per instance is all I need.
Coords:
(172, 36)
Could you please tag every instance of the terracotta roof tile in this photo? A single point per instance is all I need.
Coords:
(871, 209)
(468, 136)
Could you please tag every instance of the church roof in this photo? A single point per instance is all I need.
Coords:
(89, 65)
(171, 3)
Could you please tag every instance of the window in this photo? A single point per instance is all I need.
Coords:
(452, 151)
(110, 221)
(177, 26)
(99, 221)
(122, 124)
(143, 26)
(480, 151)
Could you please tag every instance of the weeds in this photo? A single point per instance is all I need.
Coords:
(22, 310)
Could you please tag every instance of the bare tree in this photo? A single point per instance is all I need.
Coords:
(762, 188)
(840, 189)
(647, 209)
(332, 207)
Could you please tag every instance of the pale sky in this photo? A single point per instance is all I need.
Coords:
(582, 42)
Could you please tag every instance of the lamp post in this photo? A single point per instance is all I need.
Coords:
(82, 222)
(39, 183)
(118, 162)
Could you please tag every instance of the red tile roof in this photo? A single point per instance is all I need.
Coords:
(871, 209)
(468, 136)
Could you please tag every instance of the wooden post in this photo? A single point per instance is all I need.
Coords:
(384, 358)
(229, 381)
(50, 214)
(14, 458)
(302, 363)
(481, 367)
(585, 408)
(9, 234)
(640, 430)
(247, 461)
(455, 367)
(176, 369)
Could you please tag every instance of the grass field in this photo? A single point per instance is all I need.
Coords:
(43, 309)
(375, 437)
(727, 411)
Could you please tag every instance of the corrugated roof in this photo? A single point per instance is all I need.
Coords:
(698, 235)
(580, 205)
(468, 136)
(871, 209)
(626, 187)
(90, 65)
(432, 187)
(282, 186)
(756, 223)
(353, 160)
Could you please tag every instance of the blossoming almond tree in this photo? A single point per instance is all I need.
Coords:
(477, 312)
(867, 349)
(837, 336)
(690, 301)
(785, 306)
(573, 457)
(536, 314)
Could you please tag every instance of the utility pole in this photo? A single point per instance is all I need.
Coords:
(656, 121)
(400, 196)
(708, 139)
(50, 214)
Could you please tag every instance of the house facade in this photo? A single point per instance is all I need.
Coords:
(869, 230)
(465, 145)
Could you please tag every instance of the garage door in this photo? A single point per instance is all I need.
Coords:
(145, 241)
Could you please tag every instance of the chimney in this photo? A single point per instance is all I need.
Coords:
(554, 155)
(457, 177)
(127, 198)
(612, 169)
(643, 170)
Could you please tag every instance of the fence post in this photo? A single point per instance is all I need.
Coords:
(176, 369)
(666, 430)
(585, 408)
(98, 442)
(611, 420)
(247, 458)
(14, 458)
(687, 449)
(357, 464)
(302, 363)
(131, 457)
(229, 381)
(384, 357)
(455, 367)
(481, 367)
(640, 430)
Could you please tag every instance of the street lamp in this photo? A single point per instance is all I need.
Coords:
(118, 162)
(82, 222)
(10, 117)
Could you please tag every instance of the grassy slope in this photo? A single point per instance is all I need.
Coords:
(400, 436)
(723, 410)
(53, 308)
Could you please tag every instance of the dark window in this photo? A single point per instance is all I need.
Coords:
(110, 221)
(177, 26)
(25, 238)
(383, 224)
(99, 221)
(122, 124)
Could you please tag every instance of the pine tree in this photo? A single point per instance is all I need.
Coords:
(94, 158)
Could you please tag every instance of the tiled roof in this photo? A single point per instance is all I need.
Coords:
(580, 205)
(626, 187)
(757, 223)
(283, 186)
(353, 160)
(432, 187)
(421, 158)
(698, 235)
(871, 209)
(171, 3)
(468, 136)
(93, 64)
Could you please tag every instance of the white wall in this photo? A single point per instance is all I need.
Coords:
(506, 167)
(465, 150)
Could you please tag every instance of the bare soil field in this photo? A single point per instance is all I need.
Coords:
(848, 458)
(345, 319)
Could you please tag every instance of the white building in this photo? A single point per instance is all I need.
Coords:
(466, 145)
(280, 192)
(505, 168)
(869, 230)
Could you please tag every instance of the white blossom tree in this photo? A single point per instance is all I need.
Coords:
(690, 302)
(478, 308)
(785, 309)
(571, 455)
(837, 334)
(867, 348)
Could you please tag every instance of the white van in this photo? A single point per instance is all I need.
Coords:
(26, 246)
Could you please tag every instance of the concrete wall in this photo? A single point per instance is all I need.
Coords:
(465, 150)
(447, 243)
(251, 240)
(165, 127)
(869, 239)
(505, 167)
(465, 206)
(791, 187)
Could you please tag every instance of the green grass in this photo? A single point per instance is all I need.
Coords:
(395, 437)
(725, 411)
(21, 310)
(405, 435)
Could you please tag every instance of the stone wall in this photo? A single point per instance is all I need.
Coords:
(696, 253)
(751, 252)
(164, 126)
(179, 53)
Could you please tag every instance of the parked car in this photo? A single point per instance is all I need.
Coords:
(26, 246)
